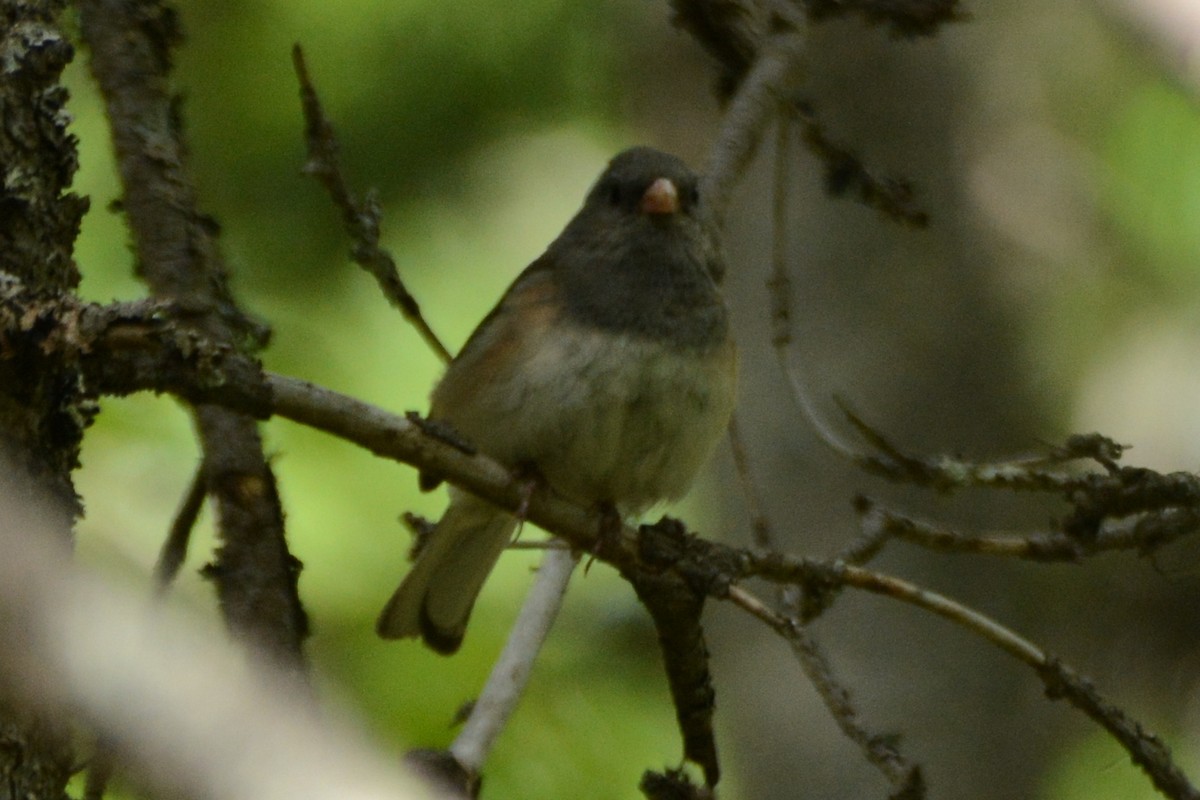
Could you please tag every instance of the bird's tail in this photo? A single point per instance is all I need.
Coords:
(436, 597)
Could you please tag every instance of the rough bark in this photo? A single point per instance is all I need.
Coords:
(42, 409)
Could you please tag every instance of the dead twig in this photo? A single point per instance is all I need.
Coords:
(360, 217)
(175, 546)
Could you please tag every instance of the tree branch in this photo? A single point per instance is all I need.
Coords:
(711, 568)
(507, 680)
(361, 218)
(255, 575)
(759, 100)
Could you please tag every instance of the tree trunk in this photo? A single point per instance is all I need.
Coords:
(42, 409)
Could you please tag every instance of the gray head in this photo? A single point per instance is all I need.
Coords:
(642, 255)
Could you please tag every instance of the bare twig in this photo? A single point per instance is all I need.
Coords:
(758, 100)
(510, 674)
(361, 218)
(760, 523)
(1144, 534)
(779, 285)
(174, 548)
(1061, 682)
(1145, 748)
(880, 750)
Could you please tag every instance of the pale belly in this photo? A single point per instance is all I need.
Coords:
(605, 418)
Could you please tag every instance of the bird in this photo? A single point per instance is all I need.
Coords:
(607, 367)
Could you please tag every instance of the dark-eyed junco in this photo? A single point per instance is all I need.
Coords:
(607, 366)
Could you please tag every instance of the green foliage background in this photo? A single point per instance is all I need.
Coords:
(481, 126)
(481, 129)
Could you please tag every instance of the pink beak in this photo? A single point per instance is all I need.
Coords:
(661, 197)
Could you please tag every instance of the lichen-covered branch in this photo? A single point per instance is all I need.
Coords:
(130, 42)
(43, 413)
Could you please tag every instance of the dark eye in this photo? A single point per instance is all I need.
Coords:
(693, 195)
(614, 194)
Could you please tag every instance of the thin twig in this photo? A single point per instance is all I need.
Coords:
(779, 286)
(1144, 534)
(361, 218)
(750, 603)
(760, 523)
(904, 777)
(1062, 682)
(879, 750)
(510, 674)
(175, 546)
(964, 616)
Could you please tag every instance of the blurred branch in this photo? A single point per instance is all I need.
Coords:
(174, 548)
(760, 47)
(510, 674)
(904, 17)
(1168, 31)
(729, 30)
(733, 31)
(192, 716)
(130, 42)
(845, 173)
(758, 101)
(361, 218)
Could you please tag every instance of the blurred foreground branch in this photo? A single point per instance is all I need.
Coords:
(192, 716)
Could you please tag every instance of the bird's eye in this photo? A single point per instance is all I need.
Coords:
(693, 195)
(614, 194)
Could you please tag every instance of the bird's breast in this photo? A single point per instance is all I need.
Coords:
(605, 416)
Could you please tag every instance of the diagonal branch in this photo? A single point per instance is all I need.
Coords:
(758, 101)
(176, 247)
(361, 218)
(224, 376)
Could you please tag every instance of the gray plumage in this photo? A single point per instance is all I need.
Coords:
(607, 365)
